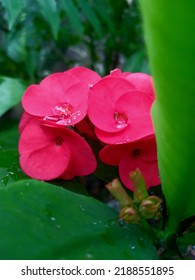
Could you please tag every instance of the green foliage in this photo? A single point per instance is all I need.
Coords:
(169, 28)
(39, 37)
(12, 10)
(41, 221)
(50, 14)
(11, 91)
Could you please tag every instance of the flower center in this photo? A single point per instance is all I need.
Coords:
(59, 141)
(136, 152)
(64, 114)
(121, 120)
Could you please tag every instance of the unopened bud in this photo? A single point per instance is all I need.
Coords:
(150, 206)
(116, 189)
(129, 215)
(139, 184)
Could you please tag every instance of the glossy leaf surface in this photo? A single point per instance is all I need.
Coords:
(42, 221)
(169, 29)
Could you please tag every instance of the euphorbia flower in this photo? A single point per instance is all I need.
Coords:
(141, 81)
(128, 157)
(61, 98)
(120, 109)
(48, 152)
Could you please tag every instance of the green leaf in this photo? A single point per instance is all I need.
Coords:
(136, 63)
(51, 15)
(10, 170)
(74, 185)
(42, 221)
(16, 45)
(73, 14)
(169, 29)
(11, 91)
(13, 9)
(9, 134)
(91, 16)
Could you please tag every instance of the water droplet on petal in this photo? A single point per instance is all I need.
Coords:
(121, 120)
(64, 113)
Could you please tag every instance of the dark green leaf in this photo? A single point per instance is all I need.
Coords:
(51, 15)
(10, 170)
(74, 185)
(8, 134)
(91, 16)
(13, 8)
(11, 91)
(42, 221)
(73, 14)
(16, 45)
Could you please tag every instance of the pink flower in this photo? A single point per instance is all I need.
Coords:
(48, 152)
(61, 98)
(119, 107)
(128, 157)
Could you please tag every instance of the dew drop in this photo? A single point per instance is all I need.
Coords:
(89, 255)
(63, 109)
(121, 120)
(132, 247)
(64, 114)
(53, 219)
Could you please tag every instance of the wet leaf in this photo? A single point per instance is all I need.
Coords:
(42, 221)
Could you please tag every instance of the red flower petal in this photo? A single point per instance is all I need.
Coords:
(48, 152)
(118, 73)
(102, 99)
(60, 98)
(82, 159)
(129, 134)
(84, 74)
(42, 155)
(112, 154)
(86, 129)
(149, 170)
(142, 82)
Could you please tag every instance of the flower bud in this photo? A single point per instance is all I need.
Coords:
(150, 206)
(129, 215)
(140, 191)
(116, 189)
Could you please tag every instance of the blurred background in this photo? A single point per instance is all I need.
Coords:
(41, 37)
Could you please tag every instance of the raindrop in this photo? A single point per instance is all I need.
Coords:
(64, 113)
(132, 247)
(89, 256)
(121, 120)
(53, 219)
(58, 226)
(5, 180)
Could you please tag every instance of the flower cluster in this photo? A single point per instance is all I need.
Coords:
(64, 107)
